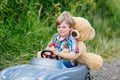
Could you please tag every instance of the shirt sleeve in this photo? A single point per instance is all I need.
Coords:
(52, 42)
(73, 45)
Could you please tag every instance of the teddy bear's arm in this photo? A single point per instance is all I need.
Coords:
(82, 47)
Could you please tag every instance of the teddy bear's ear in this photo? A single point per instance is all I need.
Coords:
(75, 34)
(91, 34)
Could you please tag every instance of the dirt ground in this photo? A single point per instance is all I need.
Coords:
(109, 71)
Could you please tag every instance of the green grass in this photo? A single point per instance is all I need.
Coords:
(20, 42)
(107, 48)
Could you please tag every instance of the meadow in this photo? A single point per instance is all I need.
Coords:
(26, 26)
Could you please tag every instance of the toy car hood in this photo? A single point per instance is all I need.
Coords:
(44, 69)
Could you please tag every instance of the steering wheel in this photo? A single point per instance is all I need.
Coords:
(51, 55)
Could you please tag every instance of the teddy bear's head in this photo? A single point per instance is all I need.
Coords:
(83, 30)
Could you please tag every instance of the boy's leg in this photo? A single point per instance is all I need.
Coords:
(66, 63)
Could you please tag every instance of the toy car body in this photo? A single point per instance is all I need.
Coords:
(44, 69)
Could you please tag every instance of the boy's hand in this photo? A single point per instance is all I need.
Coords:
(52, 49)
(48, 53)
(56, 52)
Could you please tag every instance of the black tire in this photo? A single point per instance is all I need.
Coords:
(88, 77)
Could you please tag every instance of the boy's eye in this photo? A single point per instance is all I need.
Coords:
(64, 26)
(58, 27)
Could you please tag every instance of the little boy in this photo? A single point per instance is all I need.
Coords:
(64, 40)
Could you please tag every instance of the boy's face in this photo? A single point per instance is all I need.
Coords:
(63, 29)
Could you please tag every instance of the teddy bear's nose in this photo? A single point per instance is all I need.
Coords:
(74, 33)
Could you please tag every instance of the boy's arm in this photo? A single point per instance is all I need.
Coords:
(65, 55)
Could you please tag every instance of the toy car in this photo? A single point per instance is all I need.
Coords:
(45, 69)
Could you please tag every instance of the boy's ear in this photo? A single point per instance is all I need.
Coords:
(75, 33)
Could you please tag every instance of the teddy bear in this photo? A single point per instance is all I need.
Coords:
(83, 31)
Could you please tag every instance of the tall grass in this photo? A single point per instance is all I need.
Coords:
(107, 48)
(105, 43)
(18, 48)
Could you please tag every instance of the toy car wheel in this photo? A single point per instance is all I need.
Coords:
(88, 77)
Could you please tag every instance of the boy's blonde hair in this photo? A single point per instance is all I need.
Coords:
(65, 16)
